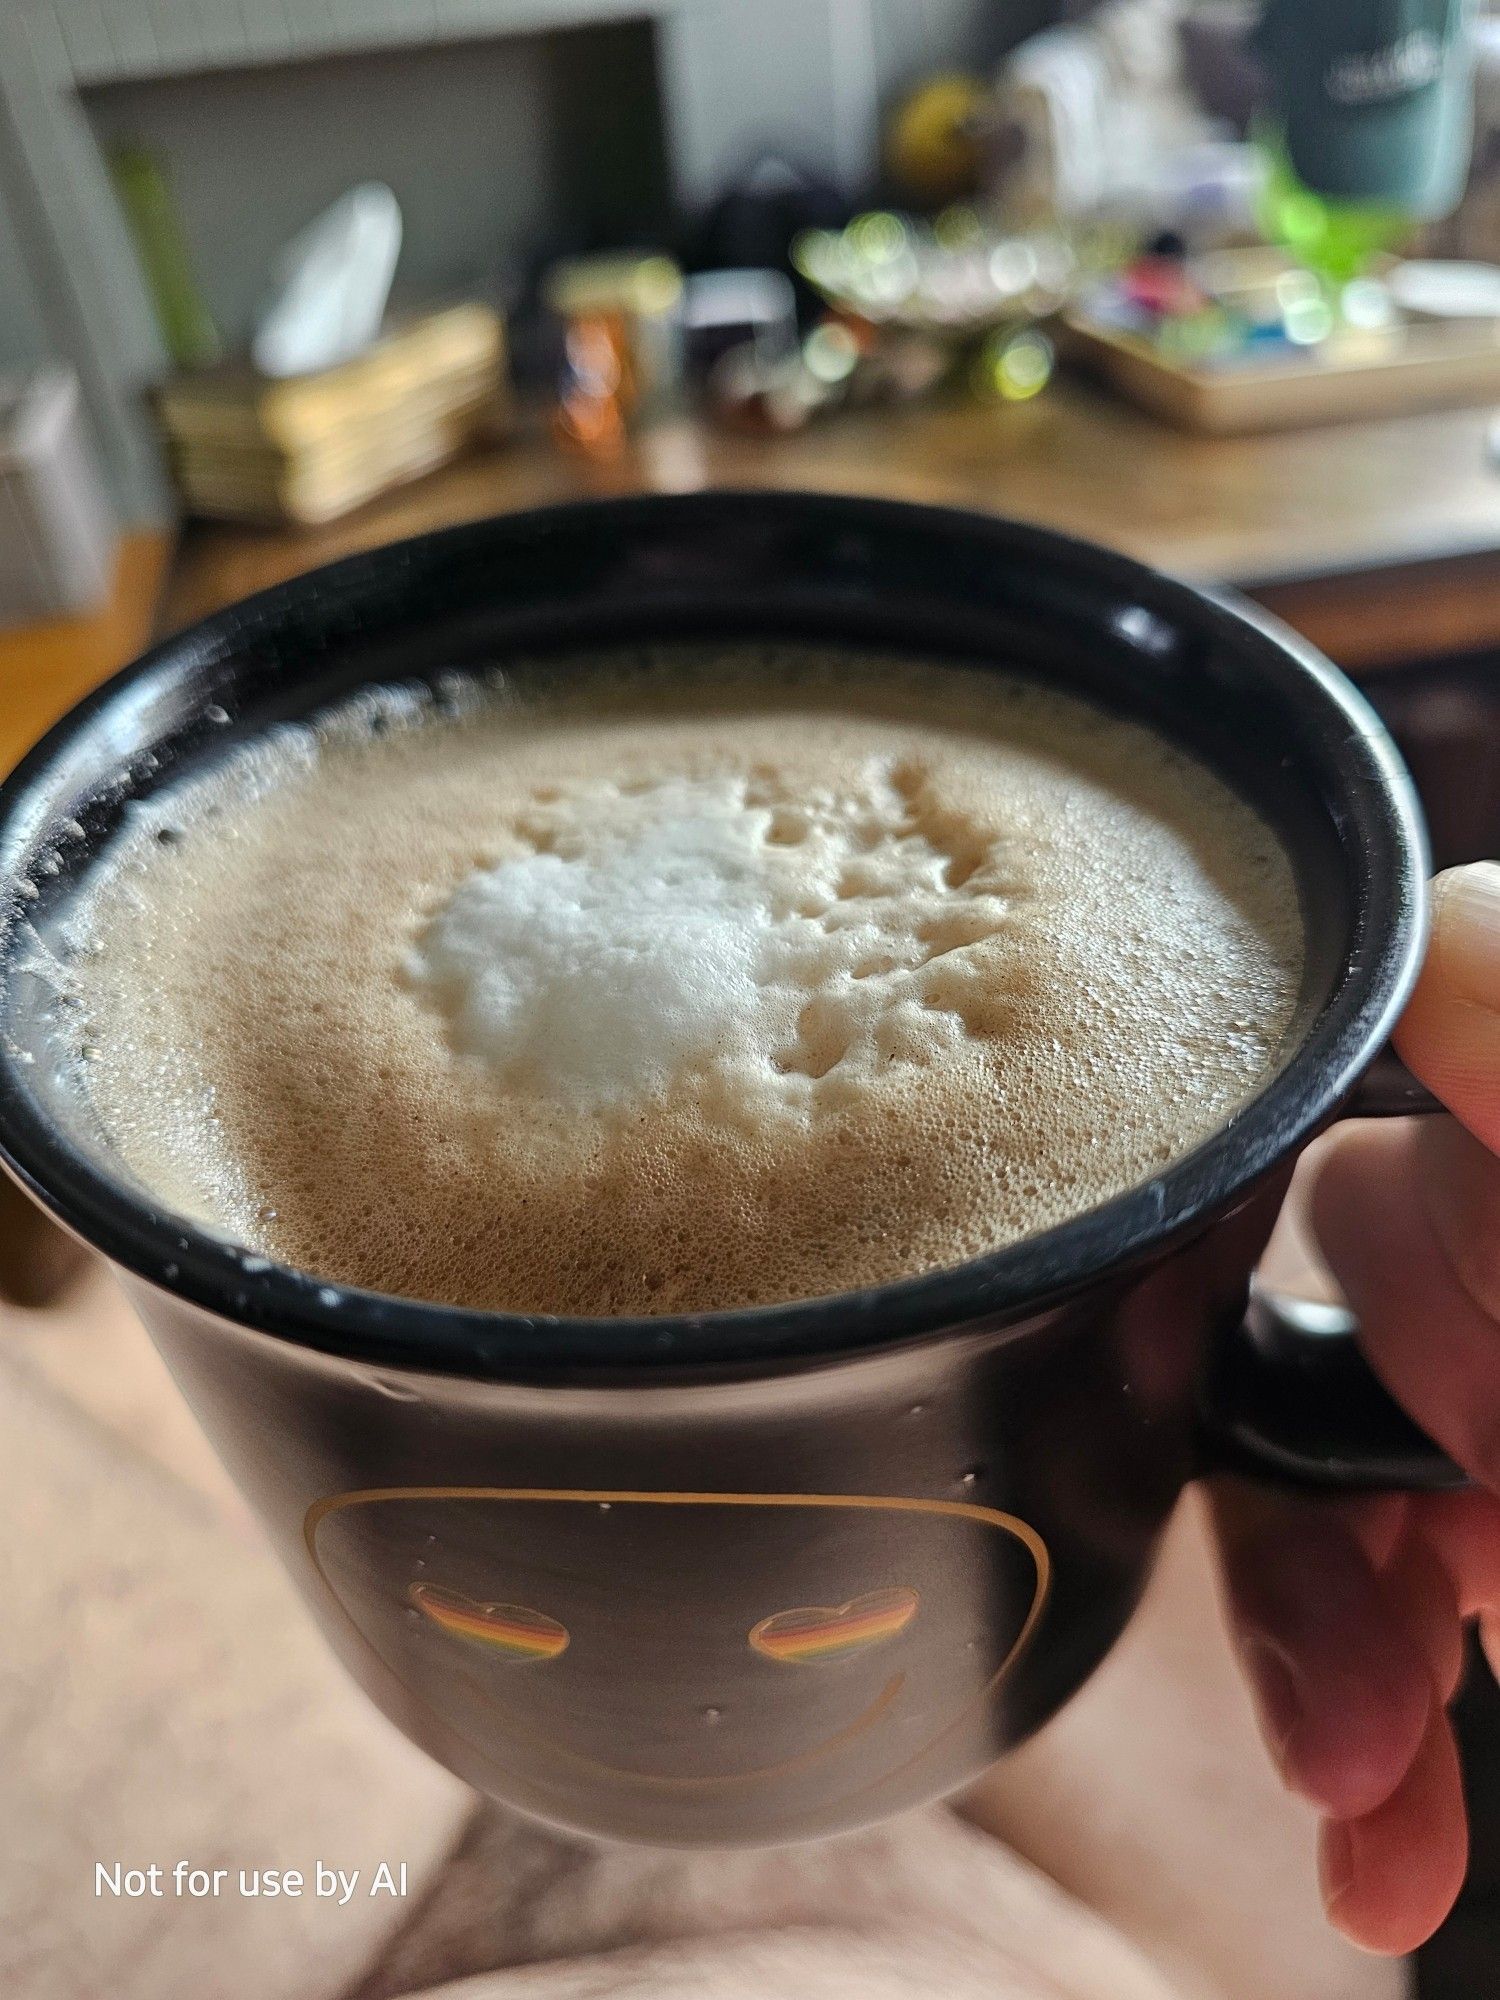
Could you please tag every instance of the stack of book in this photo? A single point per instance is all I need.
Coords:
(309, 447)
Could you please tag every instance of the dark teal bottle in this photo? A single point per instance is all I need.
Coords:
(1370, 123)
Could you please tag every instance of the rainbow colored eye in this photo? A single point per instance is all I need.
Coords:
(821, 1632)
(514, 1631)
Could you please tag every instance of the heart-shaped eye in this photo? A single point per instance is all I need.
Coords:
(514, 1631)
(833, 1631)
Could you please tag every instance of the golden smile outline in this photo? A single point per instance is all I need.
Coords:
(864, 1720)
(990, 1517)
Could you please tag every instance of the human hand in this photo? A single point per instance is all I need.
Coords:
(1349, 1613)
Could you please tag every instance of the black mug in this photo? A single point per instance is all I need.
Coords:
(754, 1575)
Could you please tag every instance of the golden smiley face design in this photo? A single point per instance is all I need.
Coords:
(822, 1632)
(703, 1660)
(511, 1631)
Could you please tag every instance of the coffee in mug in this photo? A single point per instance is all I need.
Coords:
(689, 979)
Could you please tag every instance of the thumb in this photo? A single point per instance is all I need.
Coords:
(1449, 1035)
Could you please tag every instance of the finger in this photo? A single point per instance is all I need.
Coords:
(1390, 1877)
(1417, 1584)
(1379, 1522)
(1464, 1529)
(1341, 1679)
(1376, 1194)
(1450, 1033)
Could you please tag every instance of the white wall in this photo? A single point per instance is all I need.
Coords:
(915, 36)
(471, 136)
(23, 327)
(462, 104)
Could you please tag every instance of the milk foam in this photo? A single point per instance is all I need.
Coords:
(659, 932)
(734, 975)
(594, 976)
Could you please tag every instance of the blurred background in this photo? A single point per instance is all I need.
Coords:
(282, 278)
(1216, 283)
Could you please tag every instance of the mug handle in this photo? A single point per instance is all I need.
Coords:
(1289, 1396)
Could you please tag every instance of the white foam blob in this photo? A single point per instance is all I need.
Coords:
(692, 922)
(599, 973)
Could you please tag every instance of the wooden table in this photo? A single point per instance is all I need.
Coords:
(1380, 540)
(45, 668)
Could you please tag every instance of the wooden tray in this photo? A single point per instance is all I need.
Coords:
(1414, 364)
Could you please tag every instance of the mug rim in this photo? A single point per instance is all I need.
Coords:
(1382, 834)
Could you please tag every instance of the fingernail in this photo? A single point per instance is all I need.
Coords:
(1335, 1864)
(1466, 931)
(1274, 1677)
